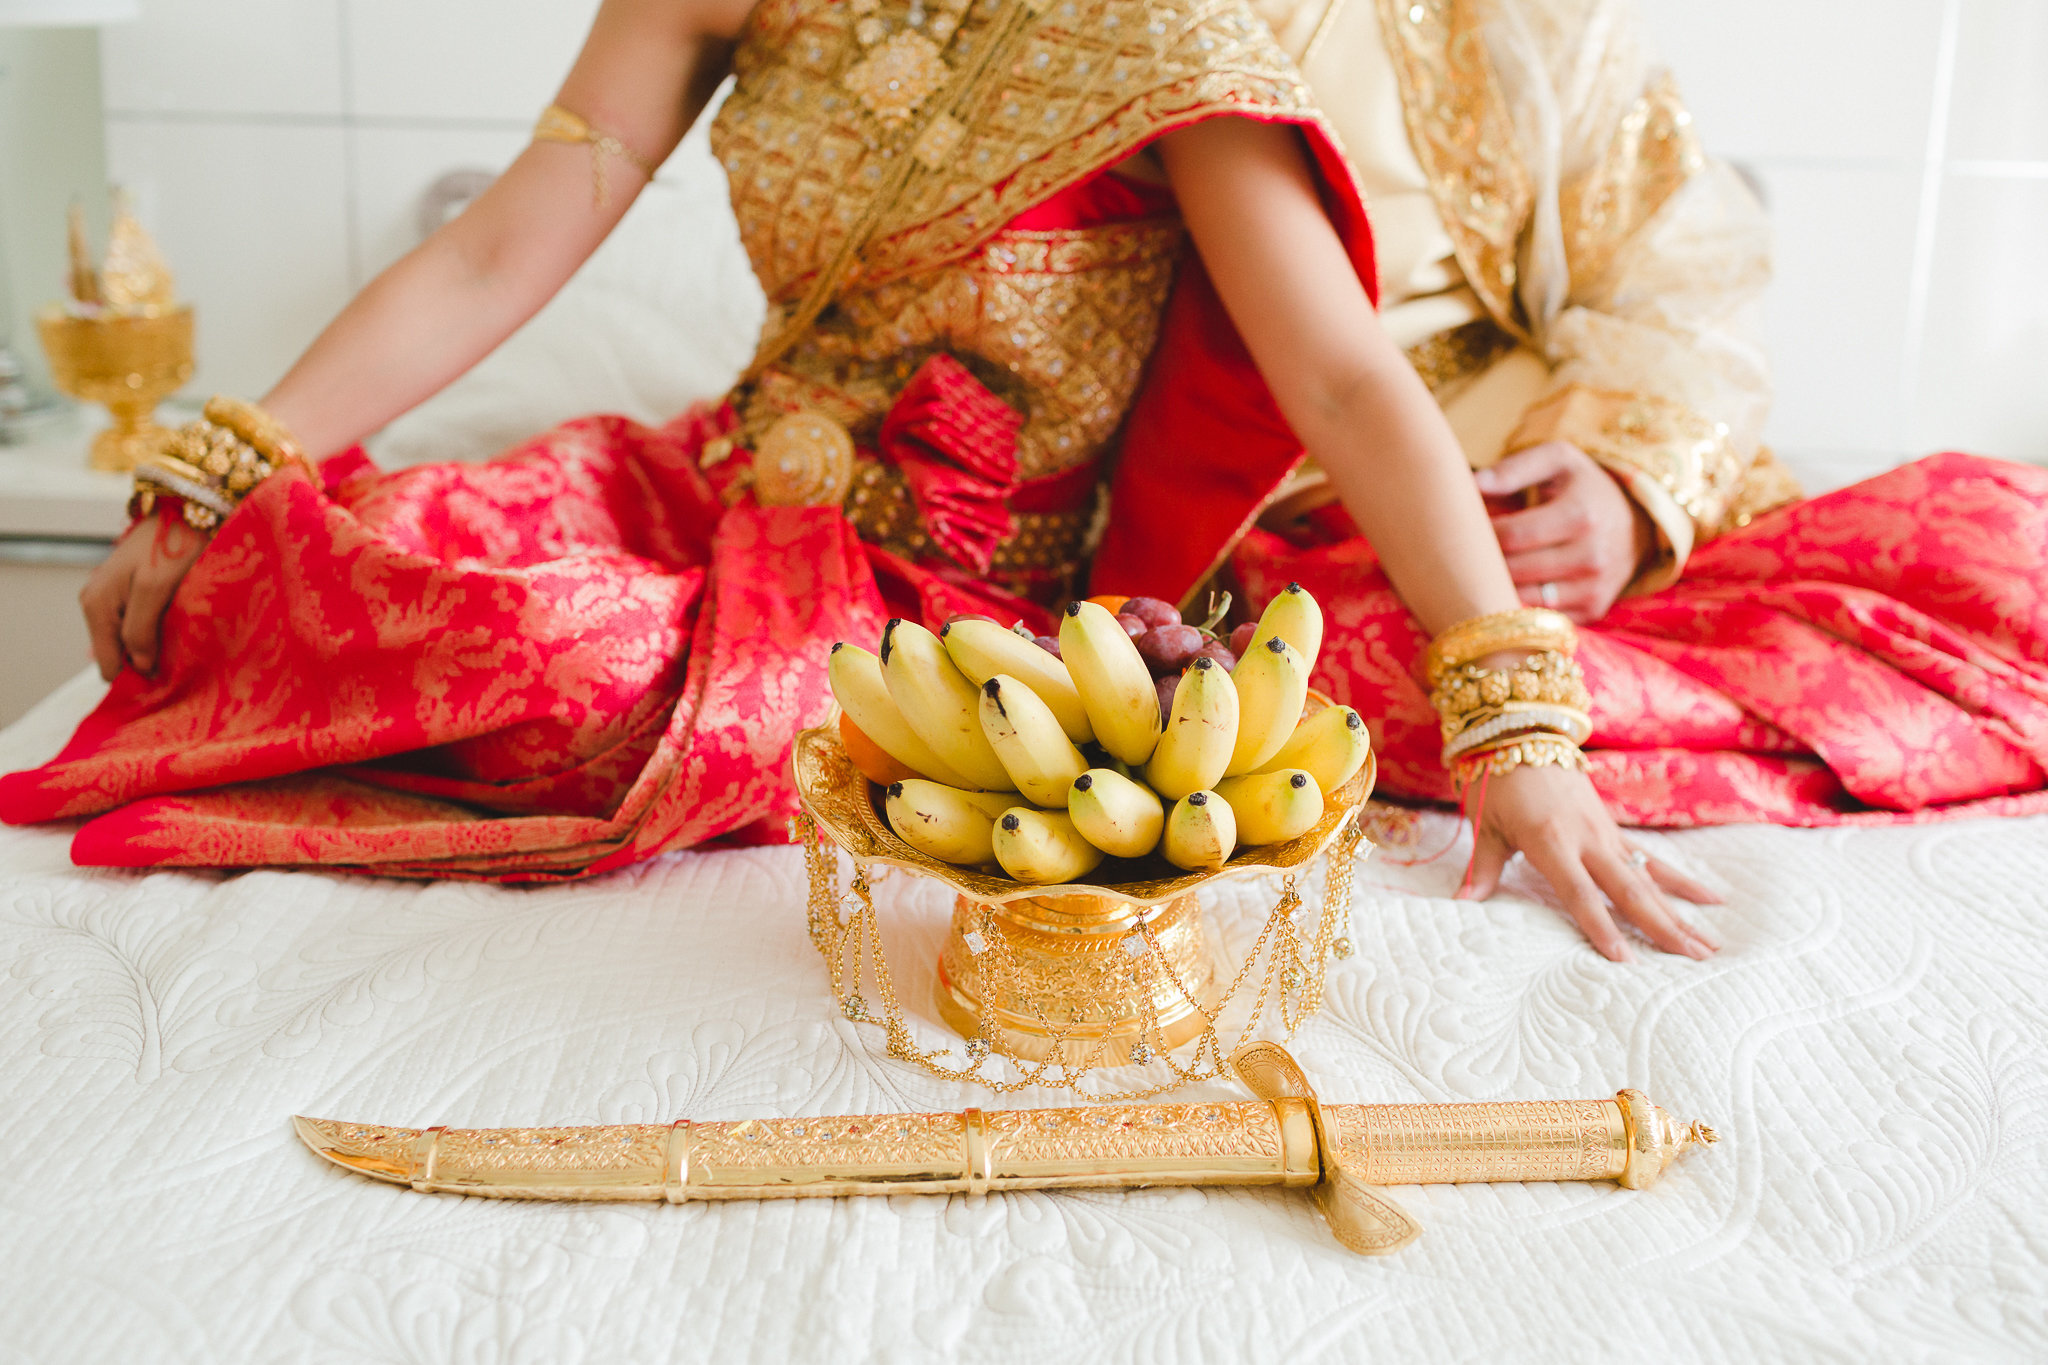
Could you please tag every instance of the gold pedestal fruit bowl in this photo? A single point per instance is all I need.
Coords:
(1113, 970)
(126, 363)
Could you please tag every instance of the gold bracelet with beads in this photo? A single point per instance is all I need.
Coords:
(1471, 690)
(206, 467)
(1532, 628)
(1540, 750)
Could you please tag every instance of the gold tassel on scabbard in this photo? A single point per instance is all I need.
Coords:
(1284, 1137)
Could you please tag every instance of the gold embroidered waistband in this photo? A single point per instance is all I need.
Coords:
(1050, 548)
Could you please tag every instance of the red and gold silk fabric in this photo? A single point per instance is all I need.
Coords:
(1877, 653)
(599, 646)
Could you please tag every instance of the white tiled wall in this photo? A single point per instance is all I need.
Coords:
(1903, 145)
(279, 148)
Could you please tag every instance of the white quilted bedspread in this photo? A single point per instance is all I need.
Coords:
(1873, 1044)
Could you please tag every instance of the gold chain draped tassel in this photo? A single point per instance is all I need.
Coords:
(562, 125)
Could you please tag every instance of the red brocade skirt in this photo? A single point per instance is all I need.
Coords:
(576, 657)
(1876, 654)
(561, 662)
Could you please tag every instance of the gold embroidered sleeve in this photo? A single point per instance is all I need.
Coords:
(1679, 465)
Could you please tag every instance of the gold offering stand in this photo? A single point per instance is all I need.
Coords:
(1067, 979)
(128, 365)
(123, 340)
(1063, 979)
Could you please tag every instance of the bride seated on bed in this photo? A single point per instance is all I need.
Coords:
(1028, 259)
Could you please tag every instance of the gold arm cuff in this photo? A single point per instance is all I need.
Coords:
(1534, 628)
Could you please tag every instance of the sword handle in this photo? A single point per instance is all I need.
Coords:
(1626, 1138)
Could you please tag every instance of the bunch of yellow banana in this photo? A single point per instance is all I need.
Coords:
(992, 746)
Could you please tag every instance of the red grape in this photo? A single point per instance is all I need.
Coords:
(1168, 648)
(1133, 627)
(1049, 645)
(1166, 687)
(972, 616)
(1241, 638)
(1220, 652)
(1152, 612)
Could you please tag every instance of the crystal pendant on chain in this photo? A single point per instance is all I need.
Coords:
(1342, 948)
(855, 1008)
(976, 944)
(977, 1050)
(1141, 1052)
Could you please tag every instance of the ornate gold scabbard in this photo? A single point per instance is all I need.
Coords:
(1286, 1137)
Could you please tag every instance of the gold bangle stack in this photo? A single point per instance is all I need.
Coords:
(207, 467)
(1494, 720)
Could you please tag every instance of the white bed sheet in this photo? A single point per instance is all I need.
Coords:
(1871, 1045)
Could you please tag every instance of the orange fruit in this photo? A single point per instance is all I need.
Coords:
(1110, 602)
(872, 760)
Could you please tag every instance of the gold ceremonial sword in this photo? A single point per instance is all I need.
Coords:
(1284, 1137)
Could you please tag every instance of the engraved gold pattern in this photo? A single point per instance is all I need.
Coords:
(739, 1151)
(1064, 960)
(617, 1147)
(1285, 1137)
(1093, 1139)
(1425, 1144)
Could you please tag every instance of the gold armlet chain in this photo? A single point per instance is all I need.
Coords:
(207, 467)
(562, 125)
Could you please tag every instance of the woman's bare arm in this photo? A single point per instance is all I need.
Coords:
(1349, 393)
(1250, 202)
(645, 73)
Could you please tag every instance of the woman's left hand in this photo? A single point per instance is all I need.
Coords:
(1554, 818)
(1580, 546)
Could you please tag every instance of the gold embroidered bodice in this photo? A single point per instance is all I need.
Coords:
(1058, 323)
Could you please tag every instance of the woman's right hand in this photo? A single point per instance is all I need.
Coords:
(1554, 818)
(125, 598)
